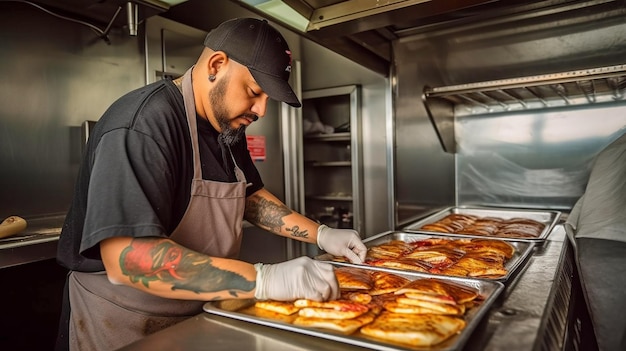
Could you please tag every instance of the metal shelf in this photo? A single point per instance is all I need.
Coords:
(572, 88)
(37, 242)
(342, 136)
(330, 197)
(558, 89)
(332, 161)
(329, 164)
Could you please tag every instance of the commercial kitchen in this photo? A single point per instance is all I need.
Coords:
(412, 109)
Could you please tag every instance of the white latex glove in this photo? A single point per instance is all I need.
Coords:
(341, 242)
(300, 278)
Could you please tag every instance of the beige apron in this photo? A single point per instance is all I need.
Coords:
(106, 316)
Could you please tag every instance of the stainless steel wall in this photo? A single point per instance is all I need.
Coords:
(171, 48)
(55, 74)
(538, 158)
(424, 174)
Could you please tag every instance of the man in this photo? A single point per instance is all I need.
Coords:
(155, 226)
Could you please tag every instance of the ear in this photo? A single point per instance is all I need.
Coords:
(216, 62)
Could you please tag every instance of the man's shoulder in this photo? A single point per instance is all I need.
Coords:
(151, 105)
(157, 95)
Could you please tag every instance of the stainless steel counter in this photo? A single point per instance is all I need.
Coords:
(521, 319)
(37, 242)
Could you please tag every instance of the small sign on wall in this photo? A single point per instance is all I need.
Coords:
(256, 147)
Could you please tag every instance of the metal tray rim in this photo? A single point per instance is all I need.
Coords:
(541, 238)
(496, 290)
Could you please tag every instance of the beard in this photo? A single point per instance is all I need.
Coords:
(229, 135)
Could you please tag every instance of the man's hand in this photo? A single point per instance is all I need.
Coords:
(300, 278)
(341, 242)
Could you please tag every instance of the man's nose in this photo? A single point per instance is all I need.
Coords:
(260, 106)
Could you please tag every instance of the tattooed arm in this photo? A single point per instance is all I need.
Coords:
(162, 267)
(266, 211)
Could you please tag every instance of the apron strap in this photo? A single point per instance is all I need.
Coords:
(190, 112)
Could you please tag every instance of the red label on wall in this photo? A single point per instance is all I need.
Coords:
(256, 147)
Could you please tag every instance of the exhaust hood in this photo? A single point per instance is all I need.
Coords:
(321, 14)
(362, 30)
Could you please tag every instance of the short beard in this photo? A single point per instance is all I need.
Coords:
(230, 135)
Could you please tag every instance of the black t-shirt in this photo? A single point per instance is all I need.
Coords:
(135, 177)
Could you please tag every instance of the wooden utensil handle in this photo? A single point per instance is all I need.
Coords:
(11, 226)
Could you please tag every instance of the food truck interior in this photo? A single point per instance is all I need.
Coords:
(470, 103)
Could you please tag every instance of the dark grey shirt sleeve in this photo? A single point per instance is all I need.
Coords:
(129, 190)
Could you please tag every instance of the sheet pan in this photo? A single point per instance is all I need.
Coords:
(548, 218)
(244, 310)
(523, 251)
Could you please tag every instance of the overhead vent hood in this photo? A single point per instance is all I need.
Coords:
(365, 30)
(362, 30)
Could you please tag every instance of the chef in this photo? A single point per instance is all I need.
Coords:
(155, 226)
(599, 222)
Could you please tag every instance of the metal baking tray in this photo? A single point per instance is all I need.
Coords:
(548, 218)
(244, 310)
(523, 251)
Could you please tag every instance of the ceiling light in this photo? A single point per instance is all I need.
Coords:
(280, 11)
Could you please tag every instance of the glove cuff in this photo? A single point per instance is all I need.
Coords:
(321, 229)
(259, 292)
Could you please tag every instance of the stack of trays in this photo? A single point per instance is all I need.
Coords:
(467, 242)
(478, 260)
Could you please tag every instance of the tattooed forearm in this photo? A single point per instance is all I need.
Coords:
(296, 232)
(265, 213)
(147, 260)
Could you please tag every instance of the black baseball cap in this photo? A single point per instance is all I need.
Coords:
(255, 44)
